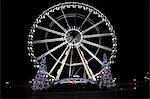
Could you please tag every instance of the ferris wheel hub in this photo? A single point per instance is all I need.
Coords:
(73, 37)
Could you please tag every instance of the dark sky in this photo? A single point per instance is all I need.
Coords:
(130, 20)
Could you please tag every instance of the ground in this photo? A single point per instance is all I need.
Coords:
(77, 91)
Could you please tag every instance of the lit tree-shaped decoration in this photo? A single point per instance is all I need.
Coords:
(105, 75)
(41, 80)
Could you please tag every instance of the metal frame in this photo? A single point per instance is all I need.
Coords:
(72, 45)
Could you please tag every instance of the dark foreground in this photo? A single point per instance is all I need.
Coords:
(76, 91)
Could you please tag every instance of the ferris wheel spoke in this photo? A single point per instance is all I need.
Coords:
(63, 63)
(83, 61)
(86, 30)
(50, 51)
(65, 17)
(77, 71)
(99, 72)
(72, 72)
(89, 69)
(70, 62)
(57, 23)
(58, 60)
(48, 40)
(88, 51)
(97, 35)
(49, 30)
(85, 19)
(76, 64)
(97, 45)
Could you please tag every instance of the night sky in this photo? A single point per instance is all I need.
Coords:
(130, 21)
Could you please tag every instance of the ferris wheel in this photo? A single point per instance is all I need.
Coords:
(73, 37)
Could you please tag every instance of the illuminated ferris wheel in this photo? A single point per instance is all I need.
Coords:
(73, 37)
